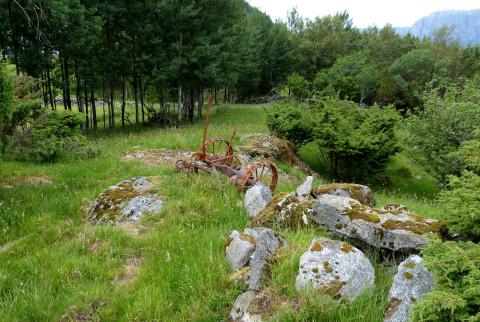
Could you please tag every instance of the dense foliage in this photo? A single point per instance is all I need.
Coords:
(456, 269)
(462, 204)
(355, 143)
(6, 95)
(437, 131)
(144, 53)
(51, 136)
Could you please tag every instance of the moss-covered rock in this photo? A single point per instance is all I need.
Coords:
(286, 210)
(393, 227)
(410, 283)
(126, 202)
(335, 268)
(361, 193)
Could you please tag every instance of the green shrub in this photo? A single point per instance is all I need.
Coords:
(50, 137)
(462, 205)
(292, 121)
(298, 86)
(456, 270)
(6, 96)
(435, 134)
(355, 143)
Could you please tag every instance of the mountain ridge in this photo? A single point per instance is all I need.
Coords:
(465, 25)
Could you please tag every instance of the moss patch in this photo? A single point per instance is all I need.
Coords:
(291, 209)
(362, 212)
(316, 247)
(408, 275)
(392, 307)
(247, 238)
(346, 248)
(333, 289)
(409, 265)
(416, 227)
(327, 267)
(267, 216)
(354, 190)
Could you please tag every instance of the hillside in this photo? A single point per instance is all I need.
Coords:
(465, 25)
(56, 265)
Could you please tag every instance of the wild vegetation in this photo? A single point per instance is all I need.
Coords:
(366, 106)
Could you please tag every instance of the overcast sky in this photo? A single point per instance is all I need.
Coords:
(400, 13)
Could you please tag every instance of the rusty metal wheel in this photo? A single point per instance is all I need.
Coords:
(218, 151)
(264, 172)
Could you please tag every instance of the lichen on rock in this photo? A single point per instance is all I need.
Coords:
(358, 192)
(335, 268)
(410, 283)
(125, 202)
(286, 210)
(394, 228)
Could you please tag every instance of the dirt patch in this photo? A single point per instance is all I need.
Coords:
(20, 180)
(157, 157)
(74, 314)
(8, 246)
(131, 268)
(96, 246)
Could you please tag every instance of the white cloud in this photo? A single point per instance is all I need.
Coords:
(365, 13)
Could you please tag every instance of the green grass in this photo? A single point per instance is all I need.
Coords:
(49, 267)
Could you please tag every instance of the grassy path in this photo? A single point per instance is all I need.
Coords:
(55, 266)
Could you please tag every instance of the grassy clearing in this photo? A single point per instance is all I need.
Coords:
(54, 265)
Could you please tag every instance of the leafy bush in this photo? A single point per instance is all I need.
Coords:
(456, 269)
(298, 86)
(435, 134)
(355, 142)
(6, 96)
(354, 77)
(462, 205)
(292, 121)
(51, 136)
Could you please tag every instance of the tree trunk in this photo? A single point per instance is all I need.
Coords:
(94, 108)
(49, 85)
(200, 102)
(192, 105)
(87, 119)
(64, 95)
(112, 106)
(79, 89)
(180, 112)
(14, 37)
(141, 97)
(123, 104)
(67, 84)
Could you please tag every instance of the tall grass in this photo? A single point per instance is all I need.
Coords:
(54, 265)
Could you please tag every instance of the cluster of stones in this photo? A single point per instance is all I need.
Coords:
(331, 266)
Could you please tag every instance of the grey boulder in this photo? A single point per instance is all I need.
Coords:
(336, 268)
(239, 249)
(409, 284)
(305, 189)
(267, 244)
(256, 198)
(126, 201)
(240, 311)
(393, 227)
